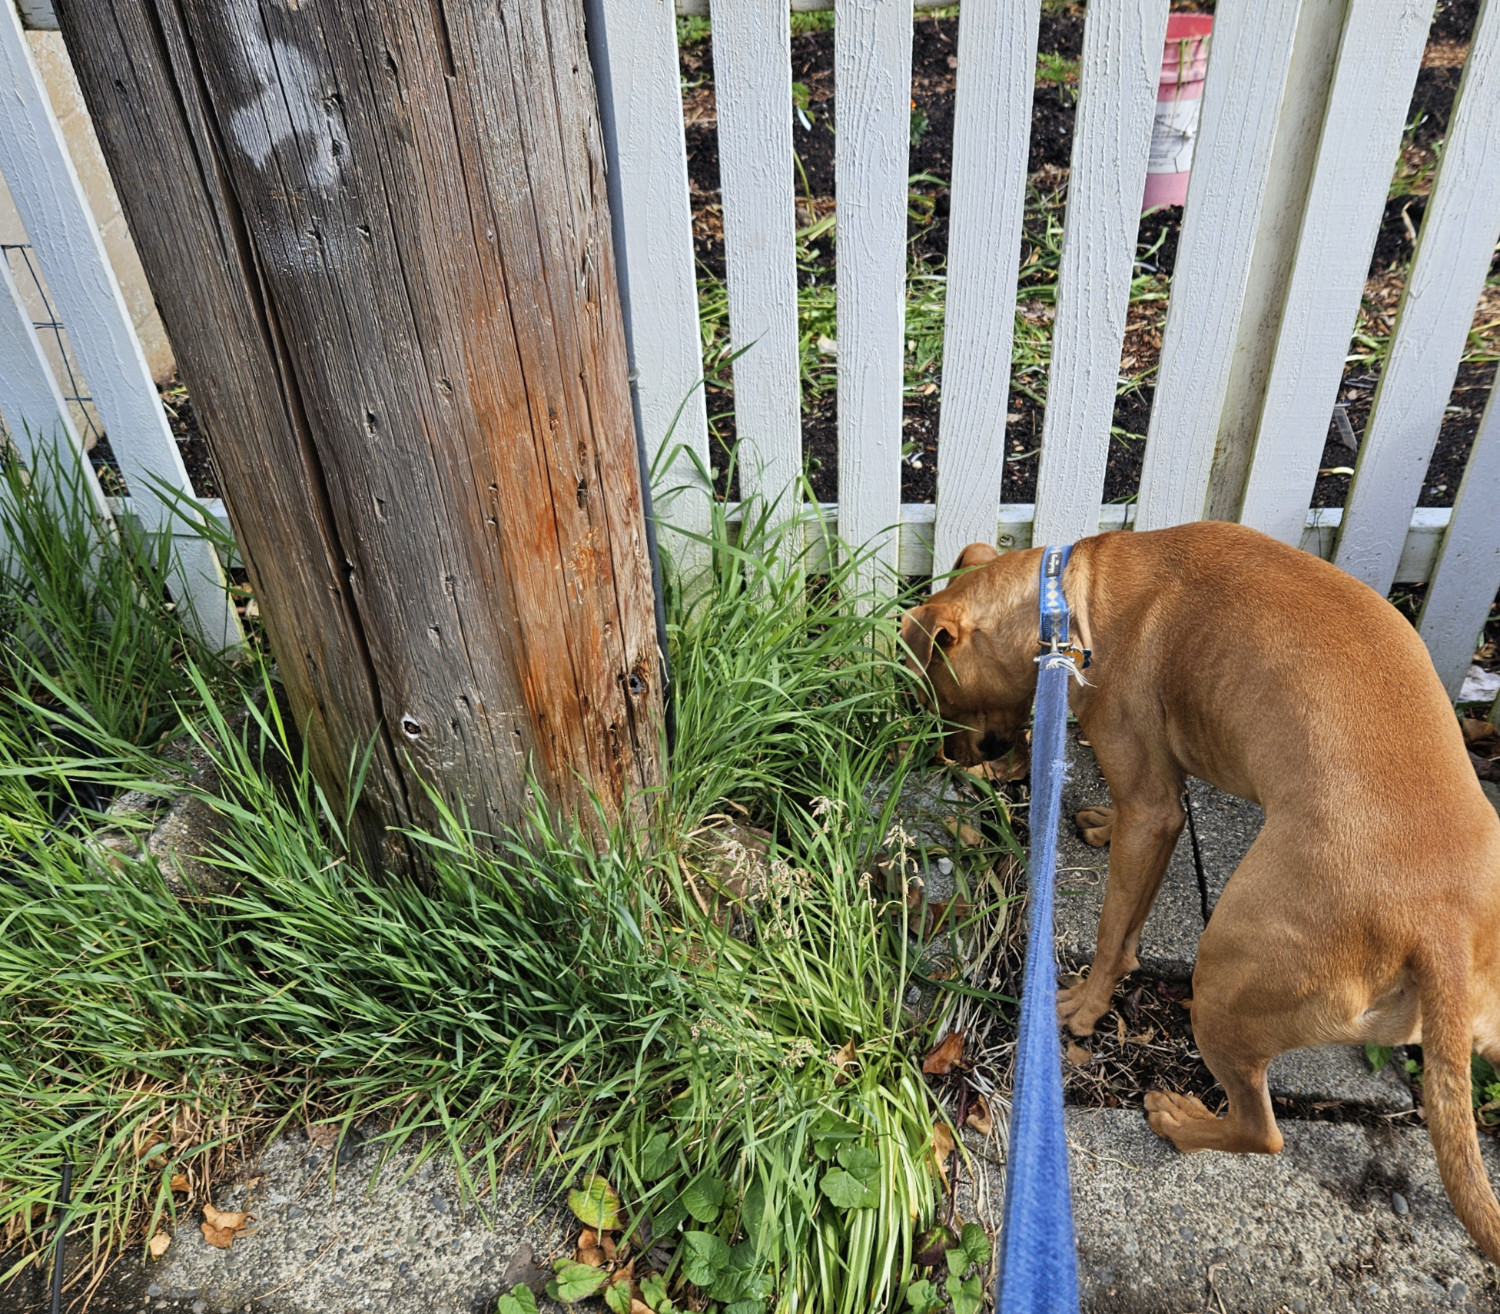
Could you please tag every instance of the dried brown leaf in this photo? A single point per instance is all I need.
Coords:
(587, 1238)
(942, 1148)
(180, 1182)
(225, 1218)
(219, 1237)
(325, 1135)
(846, 1057)
(946, 1055)
(979, 1116)
(158, 1244)
(593, 1256)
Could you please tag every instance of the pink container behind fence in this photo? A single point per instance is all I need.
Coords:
(1179, 98)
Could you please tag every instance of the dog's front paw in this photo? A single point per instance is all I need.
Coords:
(1097, 825)
(1077, 1011)
(1178, 1118)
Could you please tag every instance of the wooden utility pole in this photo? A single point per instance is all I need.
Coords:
(377, 233)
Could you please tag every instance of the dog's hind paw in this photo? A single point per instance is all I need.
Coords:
(1097, 825)
(1172, 1117)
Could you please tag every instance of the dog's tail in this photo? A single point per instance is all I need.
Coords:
(1447, 1044)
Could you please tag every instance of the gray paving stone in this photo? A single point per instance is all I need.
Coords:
(1312, 1228)
(1338, 1073)
(1169, 942)
(400, 1241)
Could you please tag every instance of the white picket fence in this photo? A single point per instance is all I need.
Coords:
(1314, 259)
(1256, 232)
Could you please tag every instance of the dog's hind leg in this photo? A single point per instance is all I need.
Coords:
(1249, 1127)
(1146, 825)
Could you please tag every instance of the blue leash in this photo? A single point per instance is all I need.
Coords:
(1038, 1262)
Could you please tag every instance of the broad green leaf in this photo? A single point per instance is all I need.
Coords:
(967, 1296)
(668, 1220)
(575, 1281)
(617, 1297)
(976, 1243)
(924, 1298)
(704, 1257)
(702, 1197)
(746, 1307)
(596, 1205)
(859, 1160)
(519, 1301)
(1377, 1056)
(657, 1157)
(654, 1293)
(847, 1191)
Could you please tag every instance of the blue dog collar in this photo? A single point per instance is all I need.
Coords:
(1056, 621)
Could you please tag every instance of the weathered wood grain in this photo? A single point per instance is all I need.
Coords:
(1459, 232)
(634, 43)
(50, 199)
(1377, 67)
(1467, 575)
(1247, 73)
(753, 93)
(380, 240)
(991, 134)
(1119, 72)
(872, 81)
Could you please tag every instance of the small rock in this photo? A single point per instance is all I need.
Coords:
(154, 1290)
(945, 866)
(1399, 1207)
(1458, 1293)
(200, 1307)
(1299, 1307)
(295, 1211)
(439, 1204)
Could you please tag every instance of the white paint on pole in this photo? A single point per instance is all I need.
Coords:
(44, 185)
(1248, 62)
(872, 87)
(1378, 60)
(635, 49)
(991, 137)
(1119, 74)
(753, 94)
(31, 404)
(1459, 233)
(1467, 576)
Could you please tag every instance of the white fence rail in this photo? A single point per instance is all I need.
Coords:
(1292, 170)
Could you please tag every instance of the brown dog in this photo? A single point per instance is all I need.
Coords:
(1368, 910)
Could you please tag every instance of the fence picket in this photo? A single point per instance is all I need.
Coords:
(1458, 237)
(1377, 67)
(640, 99)
(1468, 568)
(31, 404)
(991, 136)
(1250, 56)
(1119, 72)
(753, 90)
(35, 163)
(872, 89)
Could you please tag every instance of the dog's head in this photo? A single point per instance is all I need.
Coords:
(975, 646)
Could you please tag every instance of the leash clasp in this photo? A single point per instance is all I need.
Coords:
(1058, 647)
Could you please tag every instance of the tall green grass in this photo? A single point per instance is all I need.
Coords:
(677, 1010)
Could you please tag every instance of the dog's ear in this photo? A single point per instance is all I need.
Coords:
(976, 554)
(932, 626)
